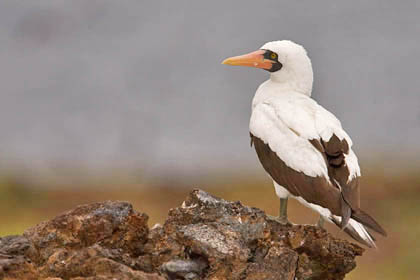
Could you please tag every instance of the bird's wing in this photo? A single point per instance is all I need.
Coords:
(304, 148)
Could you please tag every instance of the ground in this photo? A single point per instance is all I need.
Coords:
(392, 201)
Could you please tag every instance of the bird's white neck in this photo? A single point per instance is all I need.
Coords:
(282, 83)
(273, 89)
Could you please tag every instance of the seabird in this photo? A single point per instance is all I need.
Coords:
(301, 145)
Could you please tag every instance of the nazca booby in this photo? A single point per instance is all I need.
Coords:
(301, 145)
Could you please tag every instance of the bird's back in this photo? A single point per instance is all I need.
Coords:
(288, 121)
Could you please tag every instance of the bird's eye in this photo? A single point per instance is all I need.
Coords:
(273, 55)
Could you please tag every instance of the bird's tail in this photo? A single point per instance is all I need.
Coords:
(356, 227)
(364, 218)
(357, 231)
(360, 233)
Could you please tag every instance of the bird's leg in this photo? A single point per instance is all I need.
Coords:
(283, 211)
(320, 222)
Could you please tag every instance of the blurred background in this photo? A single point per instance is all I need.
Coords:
(127, 100)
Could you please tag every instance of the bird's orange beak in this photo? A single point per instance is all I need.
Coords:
(253, 59)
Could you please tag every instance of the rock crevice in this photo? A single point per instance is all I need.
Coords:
(205, 238)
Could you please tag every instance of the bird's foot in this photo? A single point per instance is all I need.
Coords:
(280, 220)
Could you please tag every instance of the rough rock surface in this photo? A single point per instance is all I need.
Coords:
(205, 238)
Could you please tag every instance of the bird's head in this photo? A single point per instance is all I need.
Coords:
(287, 62)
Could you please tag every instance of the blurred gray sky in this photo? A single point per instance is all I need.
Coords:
(139, 84)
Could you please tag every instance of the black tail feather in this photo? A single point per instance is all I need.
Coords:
(365, 219)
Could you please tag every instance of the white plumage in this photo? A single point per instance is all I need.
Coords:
(295, 133)
(285, 117)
